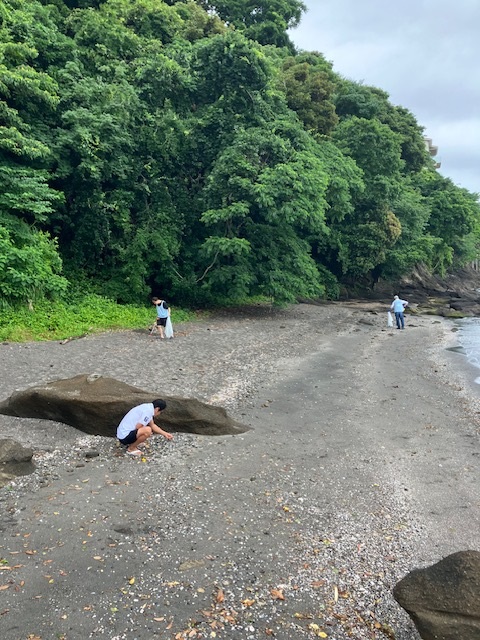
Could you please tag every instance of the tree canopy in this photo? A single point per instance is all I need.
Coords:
(186, 147)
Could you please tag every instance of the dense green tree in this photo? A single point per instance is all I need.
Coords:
(413, 151)
(148, 19)
(414, 245)
(307, 82)
(230, 69)
(186, 147)
(367, 233)
(265, 21)
(264, 191)
(197, 23)
(30, 266)
(455, 213)
(355, 99)
(377, 151)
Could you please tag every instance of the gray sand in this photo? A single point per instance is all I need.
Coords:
(362, 463)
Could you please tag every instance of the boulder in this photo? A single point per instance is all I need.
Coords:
(12, 452)
(444, 600)
(457, 305)
(15, 460)
(96, 404)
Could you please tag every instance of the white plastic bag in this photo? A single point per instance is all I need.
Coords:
(389, 320)
(169, 328)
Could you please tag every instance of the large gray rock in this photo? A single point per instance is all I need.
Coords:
(444, 600)
(95, 404)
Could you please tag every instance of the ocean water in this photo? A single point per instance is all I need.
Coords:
(468, 336)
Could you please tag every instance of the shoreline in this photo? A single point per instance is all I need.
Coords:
(358, 435)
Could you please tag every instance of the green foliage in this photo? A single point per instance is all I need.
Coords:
(307, 81)
(363, 244)
(377, 151)
(357, 100)
(346, 183)
(453, 222)
(413, 246)
(414, 153)
(30, 267)
(274, 181)
(265, 21)
(185, 147)
(77, 316)
(197, 23)
(147, 18)
(229, 68)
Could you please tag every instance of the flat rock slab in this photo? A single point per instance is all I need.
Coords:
(444, 600)
(95, 405)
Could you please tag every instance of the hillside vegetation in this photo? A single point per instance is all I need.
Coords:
(187, 149)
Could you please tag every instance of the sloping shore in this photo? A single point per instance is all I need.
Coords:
(362, 464)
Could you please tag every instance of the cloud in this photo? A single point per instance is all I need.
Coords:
(423, 53)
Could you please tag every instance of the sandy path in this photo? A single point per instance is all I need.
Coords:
(362, 463)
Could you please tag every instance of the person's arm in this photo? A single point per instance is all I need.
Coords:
(156, 429)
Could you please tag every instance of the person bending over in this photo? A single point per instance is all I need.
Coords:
(163, 311)
(398, 307)
(138, 425)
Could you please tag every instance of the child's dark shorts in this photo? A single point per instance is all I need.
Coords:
(161, 322)
(130, 439)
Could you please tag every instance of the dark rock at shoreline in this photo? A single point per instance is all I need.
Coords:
(444, 600)
(454, 296)
(96, 404)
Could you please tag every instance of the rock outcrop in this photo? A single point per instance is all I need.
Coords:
(455, 295)
(444, 600)
(96, 404)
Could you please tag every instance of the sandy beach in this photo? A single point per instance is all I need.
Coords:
(362, 463)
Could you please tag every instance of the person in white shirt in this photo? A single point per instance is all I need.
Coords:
(398, 307)
(138, 425)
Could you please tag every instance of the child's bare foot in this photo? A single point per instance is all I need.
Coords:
(135, 452)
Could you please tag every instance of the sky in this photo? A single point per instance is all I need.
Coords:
(424, 53)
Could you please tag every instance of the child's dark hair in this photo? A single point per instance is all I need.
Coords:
(159, 404)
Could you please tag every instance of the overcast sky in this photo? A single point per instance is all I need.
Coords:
(424, 53)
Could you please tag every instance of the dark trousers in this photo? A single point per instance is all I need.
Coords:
(399, 320)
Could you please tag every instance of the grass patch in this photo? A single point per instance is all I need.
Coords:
(90, 314)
